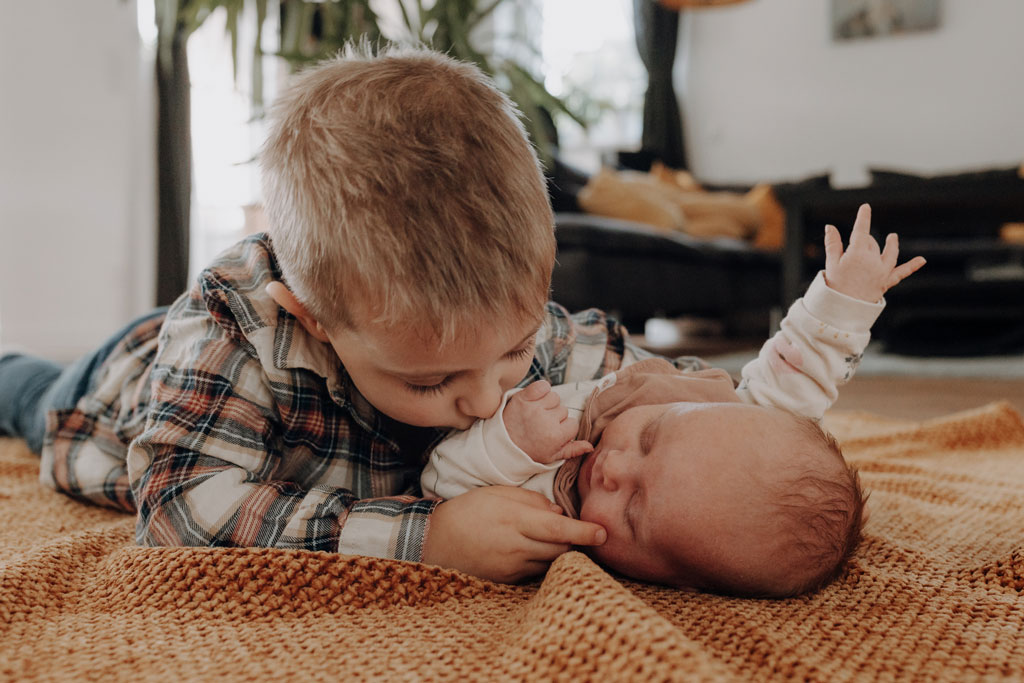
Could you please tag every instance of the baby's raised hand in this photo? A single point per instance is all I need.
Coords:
(540, 425)
(864, 271)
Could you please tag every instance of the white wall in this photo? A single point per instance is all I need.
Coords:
(76, 174)
(768, 95)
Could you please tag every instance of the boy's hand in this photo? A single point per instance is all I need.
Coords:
(503, 533)
(863, 271)
(540, 425)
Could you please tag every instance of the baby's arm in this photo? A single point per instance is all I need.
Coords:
(824, 334)
(539, 423)
(531, 433)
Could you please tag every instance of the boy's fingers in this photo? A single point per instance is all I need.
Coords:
(538, 567)
(537, 390)
(547, 527)
(525, 496)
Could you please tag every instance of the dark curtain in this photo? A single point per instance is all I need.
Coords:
(657, 30)
(174, 173)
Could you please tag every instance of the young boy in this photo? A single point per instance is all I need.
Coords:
(698, 484)
(290, 397)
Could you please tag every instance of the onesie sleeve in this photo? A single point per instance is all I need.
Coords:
(816, 350)
(483, 455)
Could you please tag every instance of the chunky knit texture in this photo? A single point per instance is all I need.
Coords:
(936, 592)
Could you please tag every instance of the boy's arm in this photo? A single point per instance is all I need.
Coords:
(242, 448)
(206, 471)
(824, 334)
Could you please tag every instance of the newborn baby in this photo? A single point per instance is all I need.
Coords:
(699, 484)
(695, 488)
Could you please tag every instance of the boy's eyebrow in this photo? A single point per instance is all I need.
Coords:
(436, 374)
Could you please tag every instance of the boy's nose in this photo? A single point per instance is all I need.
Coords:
(481, 402)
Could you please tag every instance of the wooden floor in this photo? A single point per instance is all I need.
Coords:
(919, 398)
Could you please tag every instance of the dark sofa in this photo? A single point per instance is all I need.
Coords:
(969, 299)
(638, 272)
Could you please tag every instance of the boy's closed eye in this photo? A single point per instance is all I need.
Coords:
(436, 386)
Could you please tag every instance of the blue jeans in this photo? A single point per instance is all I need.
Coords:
(31, 387)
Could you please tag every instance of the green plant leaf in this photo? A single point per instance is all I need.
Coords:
(445, 25)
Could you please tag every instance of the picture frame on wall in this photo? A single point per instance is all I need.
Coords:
(855, 19)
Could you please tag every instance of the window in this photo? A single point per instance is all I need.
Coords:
(226, 136)
(591, 60)
(586, 52)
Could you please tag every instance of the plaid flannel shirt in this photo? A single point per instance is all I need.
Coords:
(229, 425)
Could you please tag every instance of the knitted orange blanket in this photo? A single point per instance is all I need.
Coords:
(936, 592)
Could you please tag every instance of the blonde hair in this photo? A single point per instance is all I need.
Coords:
(401, 188)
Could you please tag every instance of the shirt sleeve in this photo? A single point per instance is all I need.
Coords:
(816, 350)
(589, 345)
(221, 457)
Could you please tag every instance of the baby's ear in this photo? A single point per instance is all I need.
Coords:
(286, 300)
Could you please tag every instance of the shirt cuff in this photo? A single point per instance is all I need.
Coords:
(391, 528)
(839, 310)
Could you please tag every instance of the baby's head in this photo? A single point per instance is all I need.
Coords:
(408, 210)
(722, 497)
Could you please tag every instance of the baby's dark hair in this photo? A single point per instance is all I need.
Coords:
(823, 513)
(827, 515)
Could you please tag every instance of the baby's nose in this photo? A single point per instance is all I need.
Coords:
(606, 468)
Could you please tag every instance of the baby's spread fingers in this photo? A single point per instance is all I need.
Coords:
(833, 247)
(904, 271)
(862, 226)
(891, 253)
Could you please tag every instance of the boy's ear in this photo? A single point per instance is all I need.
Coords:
(286, 300)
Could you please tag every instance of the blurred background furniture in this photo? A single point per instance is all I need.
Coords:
(968, 300)
(638, 272)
